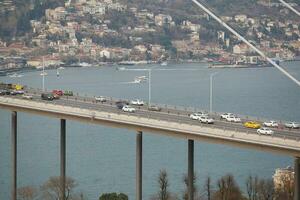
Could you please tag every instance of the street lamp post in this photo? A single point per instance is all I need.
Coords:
(149, 89)
(43, 74)
(211, 91)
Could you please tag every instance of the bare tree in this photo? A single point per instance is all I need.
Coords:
(186, 183)
(227, 189)
(51, 189)
(27, 193)
(252, 187)
(207, 188)
(163, 182)
(266, 189)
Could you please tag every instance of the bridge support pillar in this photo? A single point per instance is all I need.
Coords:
(190, 169)
(139, 162)
(63, 158)
(297, 178)
(14, 154)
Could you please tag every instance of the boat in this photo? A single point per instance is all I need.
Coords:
(121, 68)
(165, 63)
(84, 64)
(44, 73)
(15, 75)
(61, 68)
(140, 79)
(57, 73)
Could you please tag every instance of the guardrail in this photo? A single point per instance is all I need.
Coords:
(170, 109)
(136, 119)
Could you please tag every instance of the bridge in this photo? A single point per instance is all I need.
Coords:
(170, 121)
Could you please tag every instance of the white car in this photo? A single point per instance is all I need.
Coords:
(137, 102)
(26, 96)
(226, 115)
(233, 118)
(196, 116)
(206, 119)
(292, 125)
(265, 131)
(128, 109)
(271, 124)
(100, 99)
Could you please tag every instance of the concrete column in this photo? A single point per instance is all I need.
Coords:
(297, 179)
(139, 162)
(191, 170)
(14, 154)
(63, 158)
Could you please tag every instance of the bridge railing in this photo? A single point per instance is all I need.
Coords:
(171, 109)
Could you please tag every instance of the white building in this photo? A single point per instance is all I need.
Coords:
(240, 18)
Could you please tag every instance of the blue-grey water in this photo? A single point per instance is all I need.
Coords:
(102, 159)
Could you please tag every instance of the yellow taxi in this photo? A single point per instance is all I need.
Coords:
(252, 124)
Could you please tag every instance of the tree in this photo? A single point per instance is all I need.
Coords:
(163, 182)
(227, 189)
(266, 189)
(252, 187)
(27, 193)
(207, 188)
(51, 188)
(113, 196)
(186, 183)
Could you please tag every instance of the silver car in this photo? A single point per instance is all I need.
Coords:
(292, 125)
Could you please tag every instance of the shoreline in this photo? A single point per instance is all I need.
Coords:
(212, 65)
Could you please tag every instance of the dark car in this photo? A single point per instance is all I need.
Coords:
(47, 96)
(124, 102)
(2, 92)
(120, 105)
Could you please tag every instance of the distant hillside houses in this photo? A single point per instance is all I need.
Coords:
(162, 19)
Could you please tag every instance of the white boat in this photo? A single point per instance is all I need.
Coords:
(140, 79)
(164, 63)
(85, 64)
(15, 75)
(121, 68)
(57, 73)
(44, 73)
(61, 68)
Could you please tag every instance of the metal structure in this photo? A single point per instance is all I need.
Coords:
(140, 124)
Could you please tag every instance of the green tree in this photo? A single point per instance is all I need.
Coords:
(113, 196)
